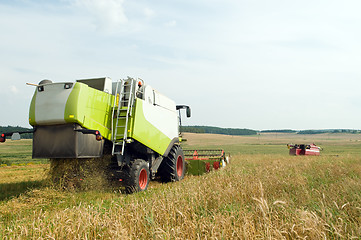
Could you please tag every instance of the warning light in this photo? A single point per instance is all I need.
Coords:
(98, 136)
(140, 83)
(2, 138)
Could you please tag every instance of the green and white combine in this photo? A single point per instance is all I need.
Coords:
(128, 128)
(94, 118)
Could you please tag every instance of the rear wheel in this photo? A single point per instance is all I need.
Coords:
(173, 167)
(137, 176)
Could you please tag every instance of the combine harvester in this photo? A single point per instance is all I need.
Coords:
(304, 149)
(128, 122)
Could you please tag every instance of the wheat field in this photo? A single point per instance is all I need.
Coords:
(262, 194)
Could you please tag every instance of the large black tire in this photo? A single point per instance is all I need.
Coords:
(137, 176)
(173, 167)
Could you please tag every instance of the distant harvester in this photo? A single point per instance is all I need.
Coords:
(304, 149)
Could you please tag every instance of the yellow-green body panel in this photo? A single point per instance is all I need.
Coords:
(142, 130)
(146, 133)
(90, 108)
(32, 110)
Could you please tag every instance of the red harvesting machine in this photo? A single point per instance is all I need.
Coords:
(304, 149)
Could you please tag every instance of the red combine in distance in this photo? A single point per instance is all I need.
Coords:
(304, 149)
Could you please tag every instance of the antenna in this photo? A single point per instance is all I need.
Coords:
(33, 84)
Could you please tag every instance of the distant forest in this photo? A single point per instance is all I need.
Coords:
(313, 131)
(279, 131)
(329, 131)
(217, 130)
(17, 129)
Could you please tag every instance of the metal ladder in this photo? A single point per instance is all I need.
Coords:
(126, 99)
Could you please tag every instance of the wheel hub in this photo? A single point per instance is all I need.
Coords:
(143, 179)
(179, 166)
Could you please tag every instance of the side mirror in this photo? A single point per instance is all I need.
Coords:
(15, 136)
(188, 112)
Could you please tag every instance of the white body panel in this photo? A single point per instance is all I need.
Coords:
(50, 104)
(163, 101)
(108, 85)
(161, 112)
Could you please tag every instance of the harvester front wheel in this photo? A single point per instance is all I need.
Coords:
(173, 167)
(137, 177)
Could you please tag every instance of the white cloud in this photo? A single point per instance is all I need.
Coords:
(14, 89)
(148, 12)
(107, 14)
(172, 23)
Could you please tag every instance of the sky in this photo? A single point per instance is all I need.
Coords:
(256, 64)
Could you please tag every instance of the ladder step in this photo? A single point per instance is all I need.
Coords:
(125, 91)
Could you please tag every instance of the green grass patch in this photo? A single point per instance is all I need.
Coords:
(9, 190)
(18, 152)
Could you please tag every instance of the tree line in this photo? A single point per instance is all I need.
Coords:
(17, 129)
(279, 131)
(353, 131)
(217, 130)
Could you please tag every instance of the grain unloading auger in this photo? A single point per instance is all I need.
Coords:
(128, 122)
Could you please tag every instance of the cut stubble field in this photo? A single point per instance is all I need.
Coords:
(263, 194)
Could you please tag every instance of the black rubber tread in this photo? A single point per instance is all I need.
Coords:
(168, 168)
(131, 176)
